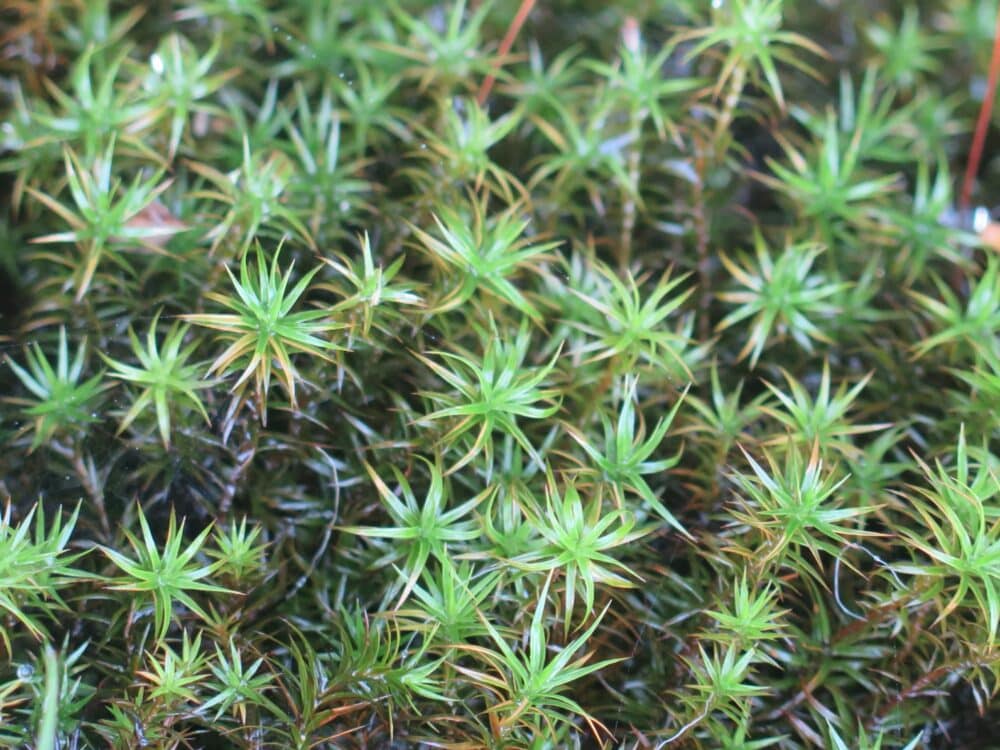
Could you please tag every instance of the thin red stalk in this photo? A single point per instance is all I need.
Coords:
(982, 123)
(505, 45)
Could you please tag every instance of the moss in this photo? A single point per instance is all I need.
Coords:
(641, 398)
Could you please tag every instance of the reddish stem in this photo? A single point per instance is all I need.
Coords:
(505, 45)
(982, 123)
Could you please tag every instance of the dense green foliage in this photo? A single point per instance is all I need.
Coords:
(651, 402)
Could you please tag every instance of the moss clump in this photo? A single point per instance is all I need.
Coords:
(646, 398)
